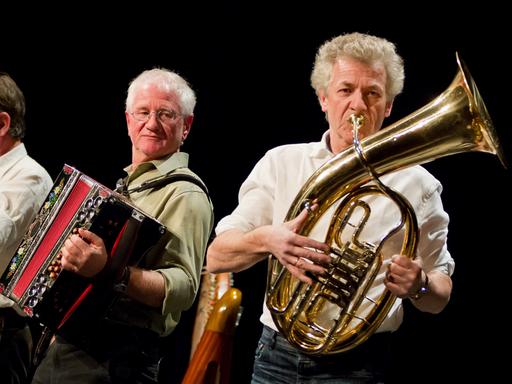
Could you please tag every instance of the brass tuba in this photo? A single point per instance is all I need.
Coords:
(336, 313)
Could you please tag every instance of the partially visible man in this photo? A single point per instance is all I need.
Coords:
(24, 185)
(123, 347)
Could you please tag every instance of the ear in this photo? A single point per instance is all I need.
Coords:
(322, 99)
(5, 123)
(187, 124)
(129, 120)
(389, 107)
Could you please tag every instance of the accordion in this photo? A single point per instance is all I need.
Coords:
(34, 278)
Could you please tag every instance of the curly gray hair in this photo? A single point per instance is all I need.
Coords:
(367, 48)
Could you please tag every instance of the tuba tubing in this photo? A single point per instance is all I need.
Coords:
(456, 121)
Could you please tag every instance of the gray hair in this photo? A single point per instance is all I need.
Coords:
(12, 101)
(366, 48)
(166, 81)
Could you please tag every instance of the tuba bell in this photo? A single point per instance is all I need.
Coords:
(336, 313)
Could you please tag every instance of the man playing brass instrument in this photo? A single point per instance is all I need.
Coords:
(354, 74)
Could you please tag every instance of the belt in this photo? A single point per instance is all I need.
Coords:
(10, 319)
(377, 345)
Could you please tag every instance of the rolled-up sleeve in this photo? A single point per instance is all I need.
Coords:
(189, 227)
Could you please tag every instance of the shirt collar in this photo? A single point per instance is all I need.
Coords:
(322, 148)
(9, 158)
(164, 165)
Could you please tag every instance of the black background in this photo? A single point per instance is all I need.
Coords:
(250, 67)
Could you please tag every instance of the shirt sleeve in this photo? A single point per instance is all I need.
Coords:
(434, 220)
(188, 217)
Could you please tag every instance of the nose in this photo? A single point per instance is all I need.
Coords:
(153, 115)
(358, 102)
(151, 125)
(152, 122)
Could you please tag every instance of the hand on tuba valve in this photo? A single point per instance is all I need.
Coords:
(302, 256)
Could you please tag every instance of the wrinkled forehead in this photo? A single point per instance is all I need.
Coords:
(351, 70)
(150, 93)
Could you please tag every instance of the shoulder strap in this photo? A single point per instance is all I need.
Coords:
(170, 178)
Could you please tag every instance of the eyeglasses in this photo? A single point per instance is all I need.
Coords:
(166, 116)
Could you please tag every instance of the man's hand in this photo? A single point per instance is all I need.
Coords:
(404, 276)
(299, 254)
(84, 253)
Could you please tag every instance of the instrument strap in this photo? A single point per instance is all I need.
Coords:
(160, 182)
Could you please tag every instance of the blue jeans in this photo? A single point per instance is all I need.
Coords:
(277, 361)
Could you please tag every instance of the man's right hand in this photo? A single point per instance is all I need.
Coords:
(84, 253)
(299, 254)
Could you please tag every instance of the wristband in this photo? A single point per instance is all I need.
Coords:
(422, 290)
(122, 285)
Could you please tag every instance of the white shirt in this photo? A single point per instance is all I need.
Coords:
(268, 192)
(24, 185)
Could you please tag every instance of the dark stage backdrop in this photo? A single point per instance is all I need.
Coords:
(250, 67)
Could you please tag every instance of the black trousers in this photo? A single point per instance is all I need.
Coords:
(15, 348)
(116, 354)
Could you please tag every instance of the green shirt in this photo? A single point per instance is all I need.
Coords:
(187, 213)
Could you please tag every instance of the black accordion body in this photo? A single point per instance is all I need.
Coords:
(34, 278)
